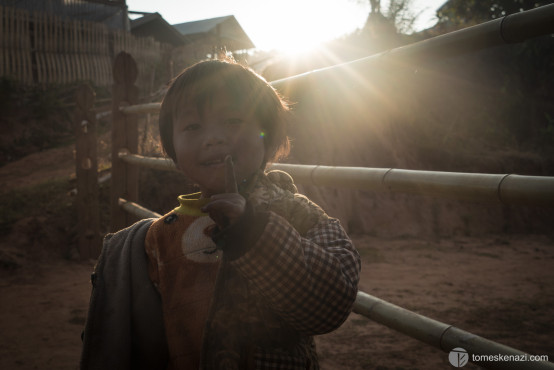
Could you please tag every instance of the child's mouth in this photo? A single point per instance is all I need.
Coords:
(215, 162)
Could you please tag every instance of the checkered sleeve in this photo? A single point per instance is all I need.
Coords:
(311, 282)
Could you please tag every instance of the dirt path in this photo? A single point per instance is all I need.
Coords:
(496, 287)
(42, 313)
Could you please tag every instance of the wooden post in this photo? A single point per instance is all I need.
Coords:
(86, 171)
(124, 182)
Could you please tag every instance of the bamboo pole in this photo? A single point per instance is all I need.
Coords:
(164, 164)
(438, 334)
(137, 210)
(503, 188)
(142, 108)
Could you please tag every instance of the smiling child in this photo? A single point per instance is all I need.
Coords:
(243, 273)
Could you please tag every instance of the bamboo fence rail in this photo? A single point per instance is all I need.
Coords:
(503, 188)
(440, 335)
(137, 210)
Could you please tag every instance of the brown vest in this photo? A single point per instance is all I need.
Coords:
(183, 266)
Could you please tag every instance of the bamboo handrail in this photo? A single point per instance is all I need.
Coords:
(137, 210)
(437, 334)
(156, 163)
(503, 188)
(141, 108)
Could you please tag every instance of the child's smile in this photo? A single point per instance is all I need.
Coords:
(202, 140)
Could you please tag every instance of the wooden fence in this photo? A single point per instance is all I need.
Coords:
(499, 188)
(43, 48)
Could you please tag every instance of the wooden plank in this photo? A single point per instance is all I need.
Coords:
(124, 182)
(47, 71)
(64, 67)
(39, 65)
(37, 26)
(92, 60)
(11, 28)
(2, 68)
(28, 67)
(2, 29)
(26, 35)
(86, 170)
(107, 70)
(87, 50)
(54, 68)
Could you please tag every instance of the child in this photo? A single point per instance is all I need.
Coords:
(241, 275)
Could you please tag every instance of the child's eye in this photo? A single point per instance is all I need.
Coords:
(191, 127)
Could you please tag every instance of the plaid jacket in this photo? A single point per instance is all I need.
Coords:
(269, 301)
(308, 283)
(290, 272)
(295, 279)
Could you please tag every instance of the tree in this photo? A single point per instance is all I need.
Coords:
(464, 13)
(403, 15)
(398, 13)
(527, 67)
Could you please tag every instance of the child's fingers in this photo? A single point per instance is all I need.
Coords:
(230, 181)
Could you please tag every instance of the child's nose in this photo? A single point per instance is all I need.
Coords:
(213, 137)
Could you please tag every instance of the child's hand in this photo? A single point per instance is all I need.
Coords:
(225, 209)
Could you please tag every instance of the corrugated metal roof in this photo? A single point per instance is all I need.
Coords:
(221, 31)
(227, 29)
(204, 25)
(153, 24)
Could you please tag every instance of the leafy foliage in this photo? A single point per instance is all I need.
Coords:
(398, 13)
(463, 13)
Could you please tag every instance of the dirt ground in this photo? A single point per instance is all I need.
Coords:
(495, 286)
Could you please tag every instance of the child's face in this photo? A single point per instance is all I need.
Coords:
(202, 141)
